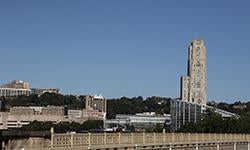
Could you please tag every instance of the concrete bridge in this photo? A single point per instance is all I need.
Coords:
(169, 141)
(150, 141)
(14, 139)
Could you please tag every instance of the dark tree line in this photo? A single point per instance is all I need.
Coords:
(64, 127)
(135, 105)
(211, 122)
(45, 99)
(214, 123)
(122, 105)
(236, 107)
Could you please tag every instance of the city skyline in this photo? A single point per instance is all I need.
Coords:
(125, 48)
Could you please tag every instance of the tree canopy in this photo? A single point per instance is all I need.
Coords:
(135, 105)
(214, 123)
(45, 99)
(63, 127)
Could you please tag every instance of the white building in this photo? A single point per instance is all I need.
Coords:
(12, 92)
(141, 121)
(15, 88)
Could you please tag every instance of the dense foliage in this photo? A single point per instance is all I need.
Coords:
(43, 100)
(122, 105)
(135, 105)
(211, 122)
(238, 107)
(214, 123)
(63, 127)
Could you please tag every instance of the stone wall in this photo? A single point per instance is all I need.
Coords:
(27, 143)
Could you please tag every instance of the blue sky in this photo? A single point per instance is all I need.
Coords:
(125, 48)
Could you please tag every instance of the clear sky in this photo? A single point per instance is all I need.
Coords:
(125, 48)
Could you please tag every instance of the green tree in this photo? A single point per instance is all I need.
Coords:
(63, 127)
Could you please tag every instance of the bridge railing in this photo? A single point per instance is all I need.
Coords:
(106, 139)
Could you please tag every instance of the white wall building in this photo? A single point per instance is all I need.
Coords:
(142, 121)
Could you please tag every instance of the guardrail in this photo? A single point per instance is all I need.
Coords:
(105, 140)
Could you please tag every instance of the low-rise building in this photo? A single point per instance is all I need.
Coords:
(93, 114)
(75, 113)
(19, 116)
(22, 111)
(53, 111)
(95, 108)
(10, 92)
(15, 88)
(96, 102)
(16, 84)
(183, 112)
(138, 121)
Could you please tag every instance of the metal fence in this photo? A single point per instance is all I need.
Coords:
(120, 139)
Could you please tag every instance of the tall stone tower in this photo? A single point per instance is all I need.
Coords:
(193, 86)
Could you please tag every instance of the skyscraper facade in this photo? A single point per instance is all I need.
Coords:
(193, 86)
